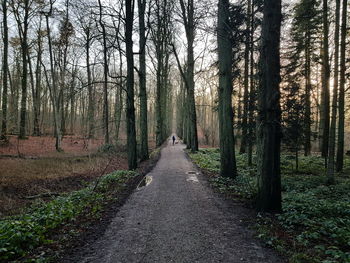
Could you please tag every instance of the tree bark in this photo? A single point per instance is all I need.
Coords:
(24, 82)
(53, 85)
(341, 123)
(130, 107)
(91, 106)
(332, 133)
(37, 89)
(105, 78)
(227, 147)
(244, 140)
(252, 96)
(4, 72)
(307, 144)
(325, 83)
(142, 78)
(269, 112)
(188, 20)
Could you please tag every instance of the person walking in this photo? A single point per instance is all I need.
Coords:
(174, 139)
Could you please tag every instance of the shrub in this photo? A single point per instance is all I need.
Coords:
(20, 234)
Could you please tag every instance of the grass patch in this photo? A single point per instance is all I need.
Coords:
(21, 234)
(315, 224)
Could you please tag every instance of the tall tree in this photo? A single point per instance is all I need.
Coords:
(86, 20)
(332, 132)
(142, 78)
(325, 108)
(21, 14)
(130, 107)
(105, 75)
(188, 19)
(161, 38)
(305, 28)
(37, 88)
(52, 82)
(91, 107)
(269, 113)
(244, 141)
(341, 122)
(227, 147)
(4, 71)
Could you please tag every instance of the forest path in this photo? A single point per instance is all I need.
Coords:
(176, 218)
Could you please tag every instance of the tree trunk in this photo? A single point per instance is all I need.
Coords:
(24, 49)
(332, 134)
(32, 85)
(159, 109)
(119, 98)
(269, 112)
(325, 83)
(252, 97)
(188, 19)
(244, 140)
(37, 90)
(307, 144)
(4, 72)
(130, 107)
(91, 106)
(227, 147)
(53, 86)
(341, 123)
(142, 77)
(105, 78)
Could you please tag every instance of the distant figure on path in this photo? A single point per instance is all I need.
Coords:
(174, 139)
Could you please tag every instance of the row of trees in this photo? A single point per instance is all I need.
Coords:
(269, 112)
(68, 66)
(77, 59)
(309, 33)
(310, 48)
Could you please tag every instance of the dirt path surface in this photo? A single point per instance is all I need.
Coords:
(176, 218)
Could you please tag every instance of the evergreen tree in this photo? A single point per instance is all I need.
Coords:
(305, 32)
(269, 111)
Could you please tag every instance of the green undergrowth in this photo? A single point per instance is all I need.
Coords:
(21, 234)
(315, 223)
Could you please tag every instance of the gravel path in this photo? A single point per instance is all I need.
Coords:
(177, 218)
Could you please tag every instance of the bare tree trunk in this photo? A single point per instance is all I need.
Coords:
(252, 96)
(142, 77)
(91, 106)
(4, 71)
(159, 109)
(307, 144)
(161, 37)
(227, 146)
(341, 123)
(53, 85)
(32, 85)
(119, 98)
(37, 89)
(269, 112)
(244, 140)
(105, 75)
(325, 83)
(130, 107)
(188, 20)
(24, 48)
(72, 99)
(332, 134)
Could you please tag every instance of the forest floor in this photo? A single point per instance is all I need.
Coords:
(32, 169)
(315, 224)
(49, 201)
(175, 217)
